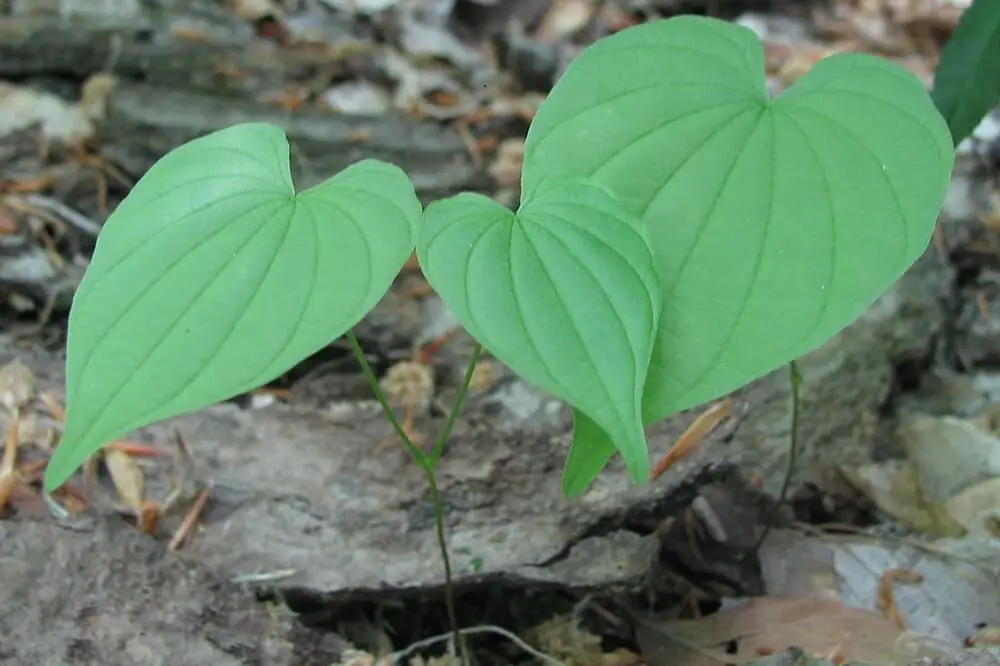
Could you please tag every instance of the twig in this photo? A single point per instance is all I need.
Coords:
(77, 219)
(187, 525)
(259, 578)
(823, 531)
(396, 657)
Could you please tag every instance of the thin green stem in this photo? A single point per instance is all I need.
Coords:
(795, 379)
(428, 464)
(457, 406)
(369, 374)
(449, 592)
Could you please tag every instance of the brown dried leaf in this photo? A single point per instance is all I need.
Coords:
(148, 517)
(17, 385)
(52, 404)
(769, 624)
(484, 375)
(695, 433)
(7, 484)
(506, 168)
(95, 93)
(128, 477)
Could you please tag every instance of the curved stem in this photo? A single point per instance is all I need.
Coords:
(795, 379)
(449, 592)
(457, 406)
(428, 464)
(369, 374)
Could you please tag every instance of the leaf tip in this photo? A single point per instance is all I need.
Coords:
(58, 470)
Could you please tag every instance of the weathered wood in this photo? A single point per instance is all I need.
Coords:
(314, 491)
(144, 122)
(173, 89)
(194, 47)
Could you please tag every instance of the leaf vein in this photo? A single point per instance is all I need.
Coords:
(529, 338)
(170, 328)
(576, 332)
(901, 218)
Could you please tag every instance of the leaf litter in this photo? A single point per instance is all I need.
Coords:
(32, 422)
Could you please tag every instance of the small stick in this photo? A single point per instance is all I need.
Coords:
(695, 433)
(397, 657)
(269, 577)
(434, 346)
(71, 215)
(189, 520)
(139, 450)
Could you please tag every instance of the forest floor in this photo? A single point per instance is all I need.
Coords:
(289, 526)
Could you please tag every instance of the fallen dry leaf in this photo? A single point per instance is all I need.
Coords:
(564, 19)
(695, 433)
(17, 386)
(128, 478)
(484, 375)
(766, 625)
(506, 167)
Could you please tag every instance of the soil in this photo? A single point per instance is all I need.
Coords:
(101, 594)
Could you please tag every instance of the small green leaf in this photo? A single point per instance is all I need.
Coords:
(589, 453)
(967, 81)
(774, 223)
(564, 292)
(213, 277)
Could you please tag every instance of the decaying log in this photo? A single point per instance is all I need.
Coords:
(144, 122)
(315, 492)
(192, 45)
(190, 70)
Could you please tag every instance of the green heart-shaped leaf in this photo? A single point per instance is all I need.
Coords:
(774, 223)
(967, 80)
(564, 292)
(213, 277)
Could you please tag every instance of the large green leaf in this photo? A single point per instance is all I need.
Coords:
(213, 277)
(774, 222)
(564, 292)
(967, 81)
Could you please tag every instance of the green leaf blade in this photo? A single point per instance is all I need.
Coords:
(774, 223)
(564, 292)
(213, 278)
(583, 128)
(966, 83)
(589, 453)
